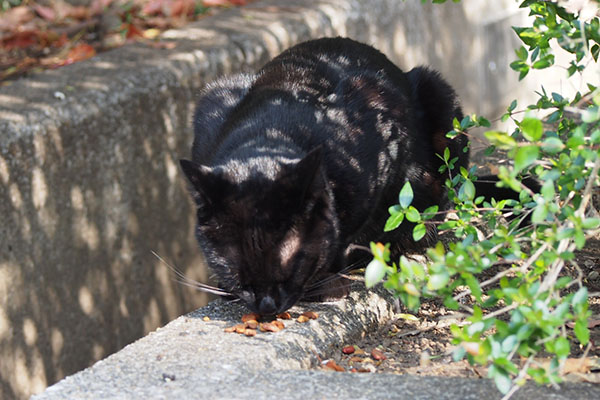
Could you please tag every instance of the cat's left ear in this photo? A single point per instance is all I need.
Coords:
(202, 179)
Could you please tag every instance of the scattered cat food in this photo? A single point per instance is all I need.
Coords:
(250, 317)
(284, 315)
(378, 355)
(356, 359)
(348, 350)
(268, 327)
(240, 328)
(302, 319)
(330, 364)
(252, 324)
(310, 314)
(206, 319)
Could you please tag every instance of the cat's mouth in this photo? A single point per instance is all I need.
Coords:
(269, 304)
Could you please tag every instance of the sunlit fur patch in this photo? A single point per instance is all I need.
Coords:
(289, 247)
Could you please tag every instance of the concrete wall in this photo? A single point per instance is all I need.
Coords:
(89, 183)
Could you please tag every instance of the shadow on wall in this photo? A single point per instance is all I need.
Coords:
(82, 208)
(82, 205)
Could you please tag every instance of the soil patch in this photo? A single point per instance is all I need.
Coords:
(422, 345)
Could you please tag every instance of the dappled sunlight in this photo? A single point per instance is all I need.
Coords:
(90, 183)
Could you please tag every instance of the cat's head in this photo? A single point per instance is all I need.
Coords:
(266, 236)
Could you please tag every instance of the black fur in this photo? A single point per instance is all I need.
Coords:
(293, 165)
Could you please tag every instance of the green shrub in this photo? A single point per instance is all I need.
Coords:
(524, 309)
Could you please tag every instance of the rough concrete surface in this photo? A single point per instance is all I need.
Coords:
(194, 359)
(89, 183)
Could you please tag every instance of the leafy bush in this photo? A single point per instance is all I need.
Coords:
(524, 309)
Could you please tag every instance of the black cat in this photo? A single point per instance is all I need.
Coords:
(295, 164)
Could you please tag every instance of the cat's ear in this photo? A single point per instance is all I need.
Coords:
(203, 181)
(306, 175)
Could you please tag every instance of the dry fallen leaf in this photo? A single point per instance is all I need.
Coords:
(378, 355)
(334, 366)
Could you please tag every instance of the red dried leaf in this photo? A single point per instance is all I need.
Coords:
(216, 3)
(133, 31)
(79, 12)
(153, 7)
(79, 52)
(181, 7)
(20, 40)
(334, 366)
(45, 12)
(378, 355)
(17, 16)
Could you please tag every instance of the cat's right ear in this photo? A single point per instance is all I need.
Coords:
(202, 180)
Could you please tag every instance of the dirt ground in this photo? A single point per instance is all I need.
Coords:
(423, 346)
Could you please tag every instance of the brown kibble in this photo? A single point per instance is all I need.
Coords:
(278, 324)
(230, 329)
(250, 317)
(252, 324)
(364, 370)
(303, 318)
(268, 327)
(334, 366)
(356, 359)
(353, 370)
(240, 328)
(378, 355)
(348, 350)
(310, 314)
(359, 351)
(250, 332)
(284, 315)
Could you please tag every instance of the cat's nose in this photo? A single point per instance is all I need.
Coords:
(267, 306)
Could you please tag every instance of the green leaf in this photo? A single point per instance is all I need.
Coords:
(552, 145)
(394, 221)
(581, 331)
(466, 191)
(413, 215)
(419, 231)
(532, 129)
(501, 140)
(590, 223)
(438, 281)
(580, 297)
(501, 379)
(512, 106)
(374, 273)
(539, 214)
(406, 195)
(521, 53)
(561, 347)
(525, 156)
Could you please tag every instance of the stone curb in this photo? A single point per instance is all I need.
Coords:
(191, 358)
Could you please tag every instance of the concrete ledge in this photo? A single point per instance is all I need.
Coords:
(89, 183)
(194, 359)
